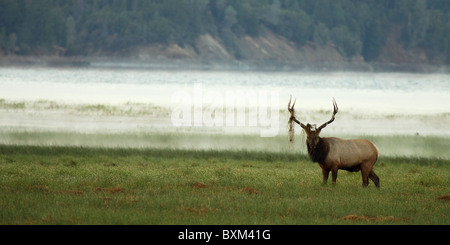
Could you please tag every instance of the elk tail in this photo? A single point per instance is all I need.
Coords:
(378, 151)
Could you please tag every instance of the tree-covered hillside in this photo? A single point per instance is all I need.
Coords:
(354, 27)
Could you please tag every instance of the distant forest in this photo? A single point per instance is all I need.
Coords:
(355, 27)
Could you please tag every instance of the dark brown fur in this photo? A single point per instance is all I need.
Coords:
(318, 148)
(319, 152)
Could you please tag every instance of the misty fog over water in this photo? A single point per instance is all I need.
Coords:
(369, 103)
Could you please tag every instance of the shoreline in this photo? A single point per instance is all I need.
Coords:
(111, 62)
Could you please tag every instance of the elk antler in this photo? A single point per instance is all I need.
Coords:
(292, 111)
(332, 117)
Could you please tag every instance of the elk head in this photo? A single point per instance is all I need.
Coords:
(310, 129)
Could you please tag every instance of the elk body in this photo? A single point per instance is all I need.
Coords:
(333, 153)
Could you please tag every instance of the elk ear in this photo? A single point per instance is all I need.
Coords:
(308, 129)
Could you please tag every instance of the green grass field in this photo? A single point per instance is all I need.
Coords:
(92, 185)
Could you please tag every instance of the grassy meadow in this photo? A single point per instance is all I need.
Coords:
(125, 164)
(100, 185)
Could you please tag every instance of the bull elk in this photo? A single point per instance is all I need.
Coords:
(334, 153)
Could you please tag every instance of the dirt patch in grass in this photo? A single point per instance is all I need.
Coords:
(43, 188)
(198, 185)
(444, 198)
(72, 192)
(45, 220)
(249, 190)
(109, 190)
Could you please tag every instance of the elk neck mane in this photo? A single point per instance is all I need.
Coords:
(320, 151)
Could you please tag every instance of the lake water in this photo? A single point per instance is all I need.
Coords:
(380, 92)
(369, 103)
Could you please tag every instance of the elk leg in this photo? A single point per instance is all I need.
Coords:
(334, 172)
(374, 178)
(325, 173)
(365, 175)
